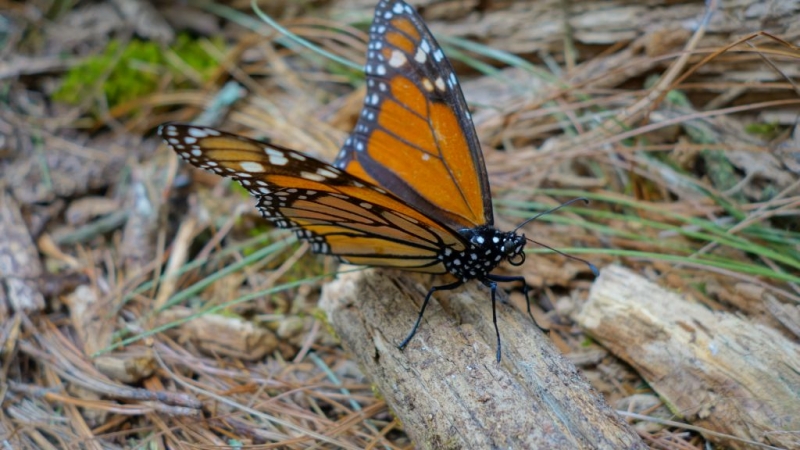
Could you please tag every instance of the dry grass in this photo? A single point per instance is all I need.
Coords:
(145, 304)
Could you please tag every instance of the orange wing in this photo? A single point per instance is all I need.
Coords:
(415, 136)
(339, 214)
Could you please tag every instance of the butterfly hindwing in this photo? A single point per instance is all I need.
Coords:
(415, 136)
(335, 211)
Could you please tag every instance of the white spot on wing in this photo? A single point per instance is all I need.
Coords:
(327, 173)
(420, 56)
(276, 158)
(312, 176)
(197, 132)
(425, 47)
(251, 166)
(201, 132)
(398, 58)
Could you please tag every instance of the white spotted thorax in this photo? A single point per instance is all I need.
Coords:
(488, 247)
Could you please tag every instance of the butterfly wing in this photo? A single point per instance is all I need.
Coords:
(415, 135)
(339, 214)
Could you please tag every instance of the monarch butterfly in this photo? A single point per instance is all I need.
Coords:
(408, 189)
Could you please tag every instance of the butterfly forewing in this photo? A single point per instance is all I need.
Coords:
(415, 136)
(338, 213)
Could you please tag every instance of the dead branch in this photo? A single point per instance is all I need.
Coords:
(713, 369)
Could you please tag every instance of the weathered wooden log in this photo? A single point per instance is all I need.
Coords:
(446, 386)
(713, 369)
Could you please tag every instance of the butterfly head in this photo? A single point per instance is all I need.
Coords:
(514, 248)
(510, 245)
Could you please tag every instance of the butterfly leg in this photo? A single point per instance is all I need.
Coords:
(445, 287)
(492, 285)
(525, 290)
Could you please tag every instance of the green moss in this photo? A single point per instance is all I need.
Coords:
(193, 53)
(764, 130)
(127, 71)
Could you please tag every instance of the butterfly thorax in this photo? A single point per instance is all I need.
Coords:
(487, 247)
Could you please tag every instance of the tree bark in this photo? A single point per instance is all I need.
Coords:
(713, 369)
(447, 388)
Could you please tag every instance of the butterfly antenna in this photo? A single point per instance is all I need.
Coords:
(585, 200)
(591, 266)
(552, 210)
